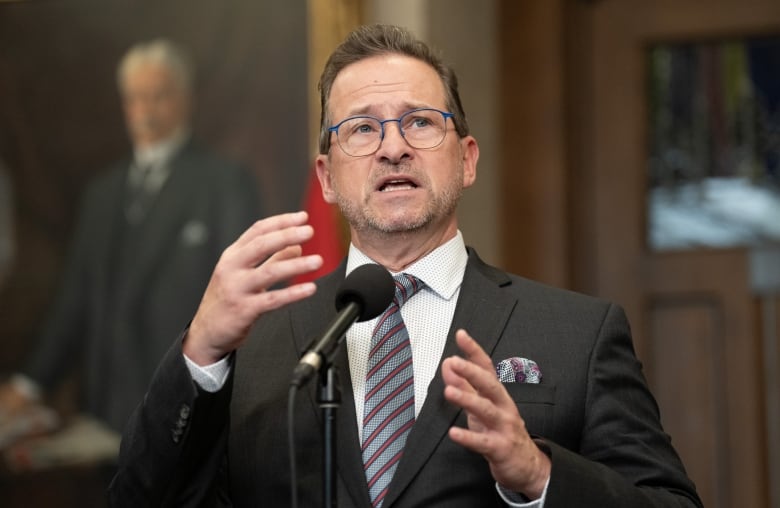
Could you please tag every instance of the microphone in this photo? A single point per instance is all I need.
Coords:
(364, 294)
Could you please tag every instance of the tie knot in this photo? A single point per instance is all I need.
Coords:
(406, 286)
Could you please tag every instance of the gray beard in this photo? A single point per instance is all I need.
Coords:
(362, 220)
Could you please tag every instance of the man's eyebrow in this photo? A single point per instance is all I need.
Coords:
(366, 110)
(363, 110)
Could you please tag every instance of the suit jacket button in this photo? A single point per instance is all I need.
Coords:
(184, 412)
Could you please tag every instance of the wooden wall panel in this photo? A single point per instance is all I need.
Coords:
(721, 279)
(768, 314)
(532, 140)
(611, 105)
(685, 369)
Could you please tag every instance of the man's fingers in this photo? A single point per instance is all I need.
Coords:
(453, 368)
(478, 442)
(266, 237)
(260, 248)
(292, 251)
(272, 223)
(273, 299)
(475, 403)
(469, 377)
(473, 350)
(283, 265)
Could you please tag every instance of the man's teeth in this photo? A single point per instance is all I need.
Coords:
(397, 185)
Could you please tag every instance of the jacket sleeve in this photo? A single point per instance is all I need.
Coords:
(625, 459)
(173, 451)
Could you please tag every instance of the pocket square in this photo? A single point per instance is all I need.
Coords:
(518, 370)
(194, 233)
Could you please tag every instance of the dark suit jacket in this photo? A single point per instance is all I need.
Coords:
(126, 290)
(592, 408)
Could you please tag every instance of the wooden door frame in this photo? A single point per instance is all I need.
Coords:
(573, 90)
(615, 260)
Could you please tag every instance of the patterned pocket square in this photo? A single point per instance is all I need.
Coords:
(518, 370)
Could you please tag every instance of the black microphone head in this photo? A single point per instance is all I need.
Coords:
(370, 286)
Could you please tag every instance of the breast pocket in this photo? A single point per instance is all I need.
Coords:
(536, 404)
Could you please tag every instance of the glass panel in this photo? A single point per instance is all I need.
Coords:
(714, 143)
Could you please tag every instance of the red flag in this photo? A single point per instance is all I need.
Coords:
(328, 240)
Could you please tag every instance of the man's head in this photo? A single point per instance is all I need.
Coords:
(412, 158)
(155, 82)
(373, 40)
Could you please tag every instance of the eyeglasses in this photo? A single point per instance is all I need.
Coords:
(422, 128)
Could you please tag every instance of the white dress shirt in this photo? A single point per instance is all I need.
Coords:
(427, 315)
(154, 159)
(159, 153)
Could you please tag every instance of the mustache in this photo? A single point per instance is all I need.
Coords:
(387, 170)
(384, 169)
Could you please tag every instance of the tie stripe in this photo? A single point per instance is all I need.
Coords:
(403, 407)
(388, 414)
(406, 383)
(399, 432)
(384, 361)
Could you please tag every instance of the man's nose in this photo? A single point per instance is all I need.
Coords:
(394, 145)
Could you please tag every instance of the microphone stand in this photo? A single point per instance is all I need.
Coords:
(329, 400)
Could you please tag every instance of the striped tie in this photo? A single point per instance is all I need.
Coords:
(388, 413)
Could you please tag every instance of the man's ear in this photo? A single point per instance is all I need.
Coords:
(322, 166)
(470, 154)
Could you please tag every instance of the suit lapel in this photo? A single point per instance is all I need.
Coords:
(161, 228)
(349, 453)
(483, 309)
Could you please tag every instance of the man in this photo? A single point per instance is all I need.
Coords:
(149, 230)
(395, 154)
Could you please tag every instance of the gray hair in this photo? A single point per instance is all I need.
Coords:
(374, 40)
(159, 52)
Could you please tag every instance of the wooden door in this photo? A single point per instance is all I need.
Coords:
(695, 320)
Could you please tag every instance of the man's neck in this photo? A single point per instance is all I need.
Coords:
(396, 251)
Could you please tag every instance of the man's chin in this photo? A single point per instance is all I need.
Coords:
(399, 225)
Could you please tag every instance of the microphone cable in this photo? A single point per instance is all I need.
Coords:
(291, 445)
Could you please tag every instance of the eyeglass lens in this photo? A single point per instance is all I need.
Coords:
(422, 128)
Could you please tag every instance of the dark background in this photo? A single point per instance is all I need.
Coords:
(61, 121)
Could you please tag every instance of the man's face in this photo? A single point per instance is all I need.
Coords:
(398, 188)
(155, 104)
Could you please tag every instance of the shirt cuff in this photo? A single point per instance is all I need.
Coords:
(26, 386)
(209, 377)
(516, 500)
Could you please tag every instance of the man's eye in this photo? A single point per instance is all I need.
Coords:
(363, 128)
(417, 122)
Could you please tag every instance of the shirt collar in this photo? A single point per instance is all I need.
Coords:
(442, 269)
(158, 154)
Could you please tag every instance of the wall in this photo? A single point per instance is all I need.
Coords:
(464, 31)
